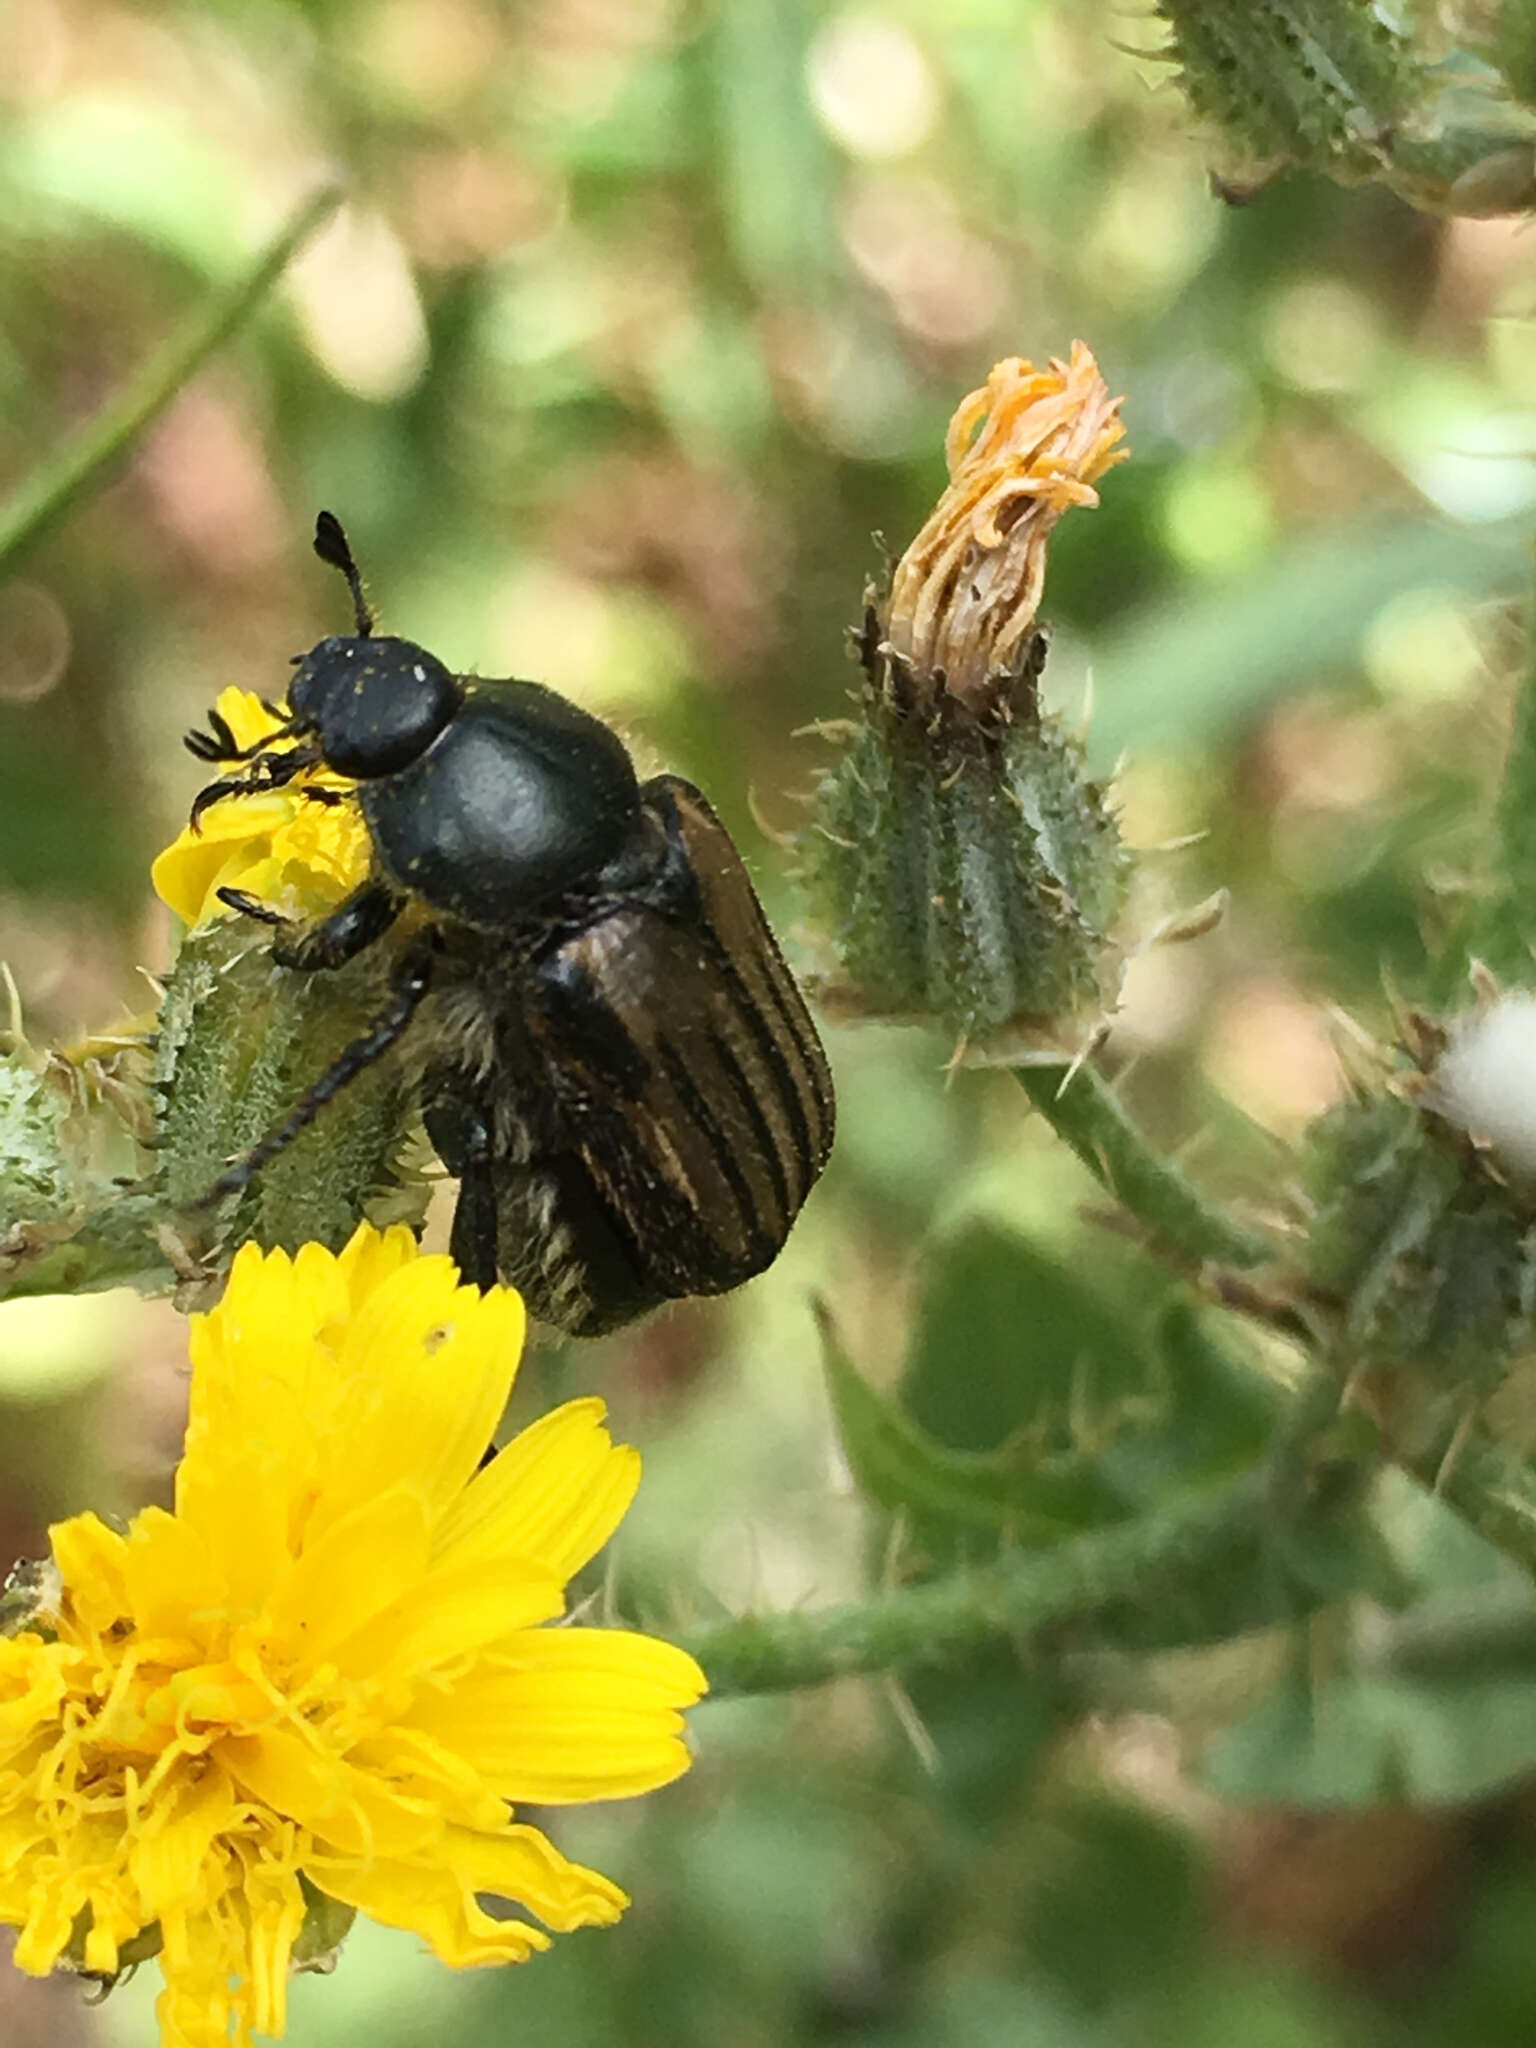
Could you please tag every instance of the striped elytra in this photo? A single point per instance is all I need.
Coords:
(657, 1102)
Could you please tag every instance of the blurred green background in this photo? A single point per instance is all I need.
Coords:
(642, 320)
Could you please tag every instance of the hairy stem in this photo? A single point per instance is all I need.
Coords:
(45, 498)
(1086, 1113)
(1504, 926)
(1019, 1596)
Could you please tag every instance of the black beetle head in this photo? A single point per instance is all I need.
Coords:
(374, 703)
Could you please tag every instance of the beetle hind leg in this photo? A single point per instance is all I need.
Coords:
(474, 1243)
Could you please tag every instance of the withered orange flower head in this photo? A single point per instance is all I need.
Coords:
(1022, 450)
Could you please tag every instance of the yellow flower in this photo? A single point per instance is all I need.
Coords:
(326, 1669)
(1022, 450)
(300, 856)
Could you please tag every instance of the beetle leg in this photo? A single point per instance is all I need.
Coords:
(268, 771)
(252, 906)
(473, 1245)
(411, 984)
(365, 916)
(219, 742)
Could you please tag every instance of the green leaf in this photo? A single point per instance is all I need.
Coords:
(1220, 1413)
(1006, 1340)
(771, 169)
(1011, 1492)
(1365, 1739)
(134, 164)
(1176, 673)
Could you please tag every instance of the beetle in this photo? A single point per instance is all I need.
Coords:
(609, 1050)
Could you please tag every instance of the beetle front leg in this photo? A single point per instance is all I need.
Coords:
(366, 915)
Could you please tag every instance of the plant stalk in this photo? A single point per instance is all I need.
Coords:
(1085, 1112)
(1021, 1595)
(47, 496)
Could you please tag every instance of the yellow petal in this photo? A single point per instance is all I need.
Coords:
(555, 1493)
(349, 1810)
(166, 1858)
(33, 1681)
(45, 1933)
(171, 1573)
(233, 839)
(90, 1558)
(450, 1614)
(202, 1954)
(245, 715)
(521, 1863)
(431, 1901)
(429, 1365)
(357, 1566)
(406, 1757)
(275, 1907)
(369, 1257)
(267, 1402)
(570, 1715)
(298, 856)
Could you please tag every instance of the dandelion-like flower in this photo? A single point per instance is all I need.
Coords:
(1026, 447)
(278, 845)
(326, 1672)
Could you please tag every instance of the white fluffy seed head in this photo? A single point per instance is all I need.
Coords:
(1486, 1079)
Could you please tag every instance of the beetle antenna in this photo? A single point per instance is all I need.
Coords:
(331, 546)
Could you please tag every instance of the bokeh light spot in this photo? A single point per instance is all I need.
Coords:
(1217, 516)
(357, 303)
(871, 86)
(1421, 646)
(1320, 334)
(34, 642)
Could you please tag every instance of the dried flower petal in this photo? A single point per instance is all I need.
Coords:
(1022, 450)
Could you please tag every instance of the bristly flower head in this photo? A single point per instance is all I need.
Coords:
(324, 1675)
(959, 861)
(300, 856)
(1025, 448)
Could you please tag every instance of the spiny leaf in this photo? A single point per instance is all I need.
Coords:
(1009, 1491)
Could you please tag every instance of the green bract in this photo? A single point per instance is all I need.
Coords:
(962, 862)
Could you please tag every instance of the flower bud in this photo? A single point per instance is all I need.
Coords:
(1323, 82)
(239, 1042)
(960, 861)
(1424, 1230)
(241, 1039)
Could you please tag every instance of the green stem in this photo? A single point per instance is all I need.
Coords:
(1505, 923)
(1087, 1114)
(45, 498)
(1017, 1596)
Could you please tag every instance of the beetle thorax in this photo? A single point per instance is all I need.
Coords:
(521, 799)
